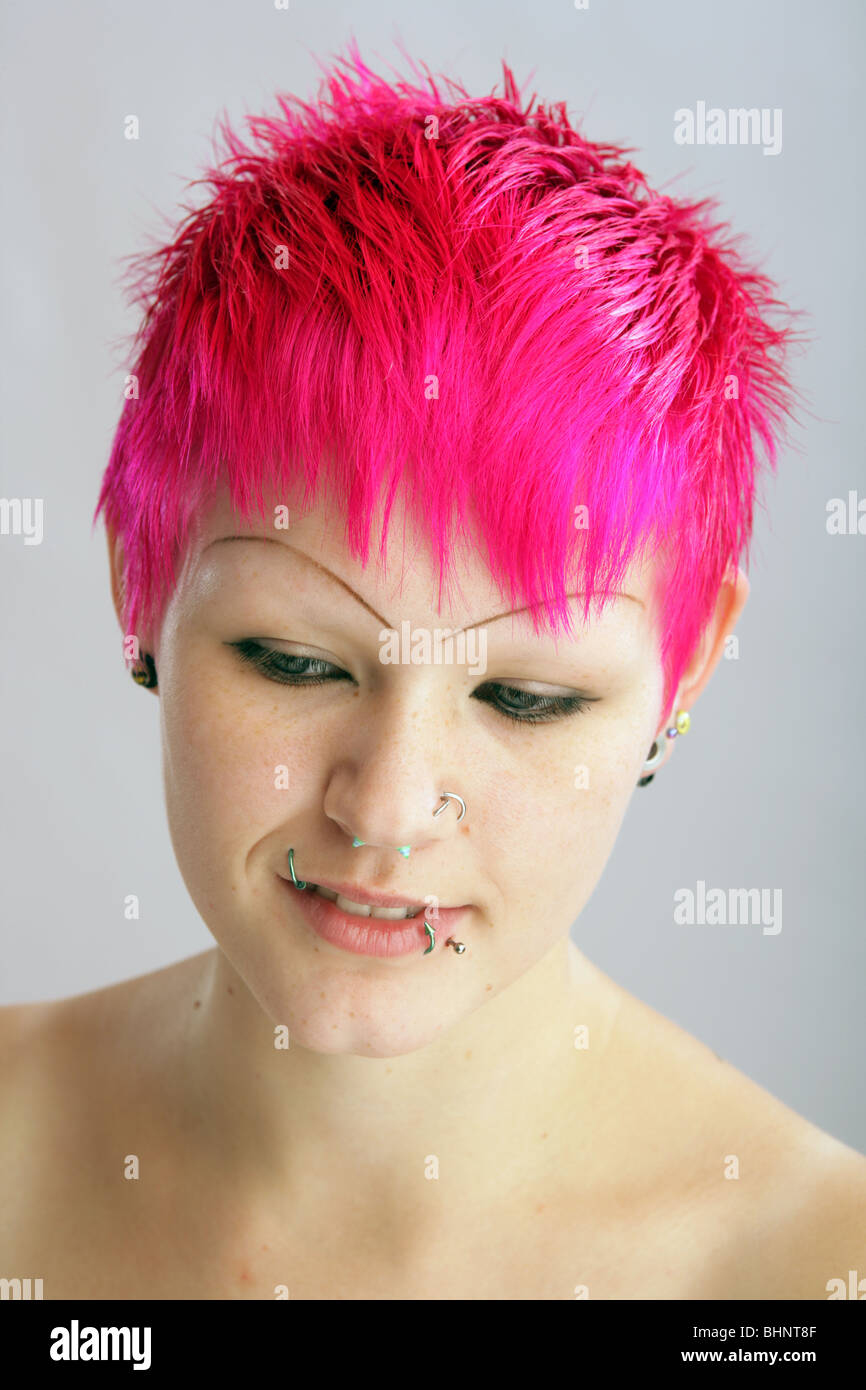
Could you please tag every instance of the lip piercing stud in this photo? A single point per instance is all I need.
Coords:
(457, 946)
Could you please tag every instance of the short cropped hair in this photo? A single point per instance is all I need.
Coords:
(402, 284)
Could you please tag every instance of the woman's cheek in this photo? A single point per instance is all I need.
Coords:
(601, 784)
(222, 761)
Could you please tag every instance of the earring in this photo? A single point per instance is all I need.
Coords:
(681, 725)
(144, 673)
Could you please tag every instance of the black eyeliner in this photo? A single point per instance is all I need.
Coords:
(269, 663)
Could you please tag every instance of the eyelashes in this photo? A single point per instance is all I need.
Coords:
(521, 707)
(278, 665)
(539, 709)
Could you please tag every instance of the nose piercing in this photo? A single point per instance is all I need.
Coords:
(457, 946)
(401, 849)
(444, 797)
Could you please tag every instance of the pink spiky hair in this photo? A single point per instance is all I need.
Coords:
(584, 332)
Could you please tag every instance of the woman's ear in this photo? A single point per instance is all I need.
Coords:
(730, 602)
(135, 653)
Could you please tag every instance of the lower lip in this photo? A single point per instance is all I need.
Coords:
(373, 936)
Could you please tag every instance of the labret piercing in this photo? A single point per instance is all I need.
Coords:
(457, 946)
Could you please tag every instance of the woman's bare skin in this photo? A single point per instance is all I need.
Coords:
(624, 1198)
(432, 1131)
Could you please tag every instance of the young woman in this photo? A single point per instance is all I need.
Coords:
(425, 515)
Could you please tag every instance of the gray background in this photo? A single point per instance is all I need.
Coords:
(765, 792)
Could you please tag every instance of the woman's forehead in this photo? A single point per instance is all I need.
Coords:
(402, 578)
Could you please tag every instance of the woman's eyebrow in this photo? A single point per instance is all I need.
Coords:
(321, 568)
(512, 613)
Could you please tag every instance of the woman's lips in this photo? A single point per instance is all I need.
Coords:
(373, 936)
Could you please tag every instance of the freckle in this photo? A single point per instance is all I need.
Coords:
(540, 1207)
(388, 1071)
(468, 1055)
(544, 1135)
(197, 1004)
(333, 1025)
(322, 995)
(244, 1276)
(488, 987)
(265, 1247)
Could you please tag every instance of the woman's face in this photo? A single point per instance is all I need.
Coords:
(257, 759)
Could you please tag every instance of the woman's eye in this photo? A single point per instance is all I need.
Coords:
(283, 666)
(524, 707)
(520, 706)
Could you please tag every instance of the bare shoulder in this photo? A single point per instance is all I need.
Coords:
(73, 1066)
(763, 1203)
(49, 1036)
(807, 1229)
(24, 1031)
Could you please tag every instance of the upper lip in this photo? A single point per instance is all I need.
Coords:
(358, 894)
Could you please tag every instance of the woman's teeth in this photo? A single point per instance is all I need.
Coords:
(388, 914)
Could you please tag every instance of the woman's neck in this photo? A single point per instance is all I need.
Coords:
(487, 1107)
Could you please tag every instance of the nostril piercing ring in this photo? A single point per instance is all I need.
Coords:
(444, 797)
